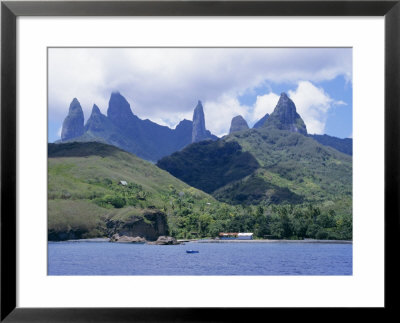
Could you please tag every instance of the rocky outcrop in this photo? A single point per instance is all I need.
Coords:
(62, 235)
(97, 122)
(238, 124)
(117, 238)
(261, 122)
(123, 129)
(96, 119)
(199, 131)
(119, 110)
(149, 225)
(165, 240)
(199, 124)
(73, 124)
(285, 117)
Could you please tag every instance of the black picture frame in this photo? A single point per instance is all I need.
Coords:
(10, 10)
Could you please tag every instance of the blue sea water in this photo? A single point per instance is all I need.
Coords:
(278, 258)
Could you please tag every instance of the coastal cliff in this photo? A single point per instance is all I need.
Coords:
(149, 225)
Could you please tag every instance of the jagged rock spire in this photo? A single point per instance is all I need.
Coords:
(73, 123)
(285, 116)
(95, 110)
(199, 125)
(96, 121)
(118, 108)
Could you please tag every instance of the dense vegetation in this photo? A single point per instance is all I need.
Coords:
(85, 196)
(273, 222)
(279, 167)
(315, 172)
(209, 165)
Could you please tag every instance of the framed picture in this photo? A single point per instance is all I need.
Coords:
(248, 65)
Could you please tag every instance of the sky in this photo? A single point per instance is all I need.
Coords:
(165, 84)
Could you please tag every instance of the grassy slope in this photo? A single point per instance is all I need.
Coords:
(84, 195)
(82, 175)
(308, 169)
(294, 169)
(298, 162)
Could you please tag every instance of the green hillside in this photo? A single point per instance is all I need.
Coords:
(292, 169)
(101, 166)
(85, 200)
(290, 160)
(212, 164)
(84, 192)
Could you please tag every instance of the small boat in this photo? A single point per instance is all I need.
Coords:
(192, 251)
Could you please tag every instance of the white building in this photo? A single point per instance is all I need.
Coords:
(245, 236)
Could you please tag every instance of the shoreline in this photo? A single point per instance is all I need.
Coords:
(184, 241)
(266, 241)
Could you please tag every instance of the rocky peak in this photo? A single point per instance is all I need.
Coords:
(238, 124)
(184, 125)
(199, 125)
(285, 106)
(73, 123)
(261, 122)
(285, 116)
(95, 110)
(97, 120)
(119, 109)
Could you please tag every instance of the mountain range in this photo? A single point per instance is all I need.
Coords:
(275, 163)
(123, 129)
(201, 184)
(151, 141)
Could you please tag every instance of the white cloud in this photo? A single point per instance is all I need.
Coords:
(164, 84)
(313, 104)
(173, 120)
(340, 102)
(219, 113)
(264, 104)
(155, 78)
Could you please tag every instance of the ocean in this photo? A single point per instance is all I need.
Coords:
(272, 258)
